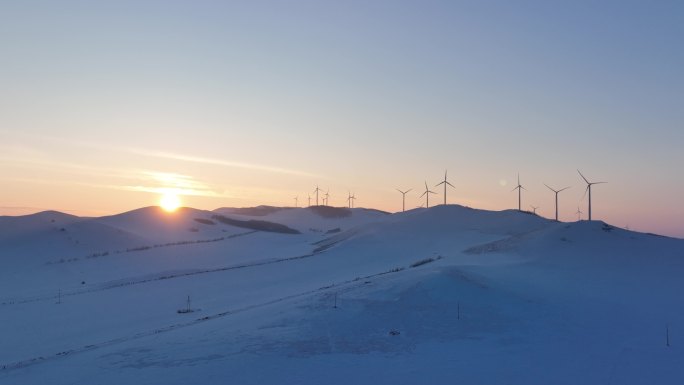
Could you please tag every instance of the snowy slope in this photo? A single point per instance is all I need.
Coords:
(428, 296)
(164, 227)
(32, 240)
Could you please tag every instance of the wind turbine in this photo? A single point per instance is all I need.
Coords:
(316, 191)
(403, 199)
(556, 191)
(589, 184)
(309, 200)
(534, 209)
(445, 183)
(427, 195)
(353, 197)
(579, 214)
(296, 201)
(325, 200)
(519, 187)
(349, 199)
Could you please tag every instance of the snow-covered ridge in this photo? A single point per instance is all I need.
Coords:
(453, 291)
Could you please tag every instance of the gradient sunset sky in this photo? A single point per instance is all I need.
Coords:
(104, 105)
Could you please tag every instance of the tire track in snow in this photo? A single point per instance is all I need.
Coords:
(158, 277)
(138, 249)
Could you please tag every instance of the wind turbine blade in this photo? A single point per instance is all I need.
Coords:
(515, 188)
(564, 189)
(450, 184)
(426, 187)
(408, 190)
(585, 179)
(523, 188)
(547, 186)
(399, 190)
(426, 191)
(440, 183)
(599, 182)
(585, 192)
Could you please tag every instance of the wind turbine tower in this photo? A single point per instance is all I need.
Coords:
(403, 199)
(316, 191)
(519, 187)
(534, 209)
(556, 191)
(589, 184)
(427, 195)
(579, 214)
(445, 183)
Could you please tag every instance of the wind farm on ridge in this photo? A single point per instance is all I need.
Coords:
(349, 202)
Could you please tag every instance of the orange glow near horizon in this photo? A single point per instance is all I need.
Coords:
(170, 201)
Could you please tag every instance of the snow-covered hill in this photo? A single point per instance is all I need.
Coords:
(441, 295)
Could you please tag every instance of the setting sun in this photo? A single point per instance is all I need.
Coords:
(170, 201)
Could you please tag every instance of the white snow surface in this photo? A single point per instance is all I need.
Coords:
(446, 295)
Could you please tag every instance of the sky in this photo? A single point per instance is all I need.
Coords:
(106, 105)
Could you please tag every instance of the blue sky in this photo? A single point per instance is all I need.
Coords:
(363, 96)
